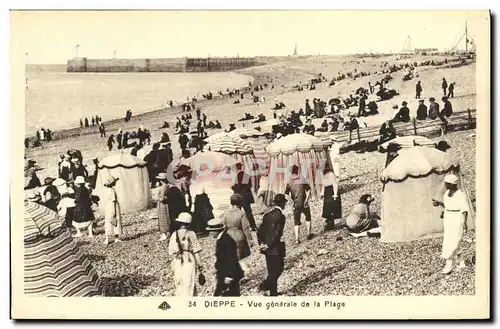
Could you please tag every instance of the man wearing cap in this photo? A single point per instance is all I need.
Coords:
(228, 270)
(269, 237)
(433, 109)
(421, 110)
(403, 114)
(456, 209)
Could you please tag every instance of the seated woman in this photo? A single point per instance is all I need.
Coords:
(211, 125)
(165, 125)
(218, 125)
(360, 219)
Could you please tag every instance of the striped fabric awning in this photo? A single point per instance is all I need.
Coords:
(230, 145)
(54, 266)
(295, 143)
(215, 161)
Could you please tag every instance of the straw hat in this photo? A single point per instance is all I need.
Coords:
(451, 179)
(110, 180)
(34, 196)
(49, 180)
(74, 160)
(162, 176)
(432, 99)
(216, 224)
(59, 182)
(79, 180)
(184, 217)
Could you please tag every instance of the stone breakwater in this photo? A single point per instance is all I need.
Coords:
(215, 64)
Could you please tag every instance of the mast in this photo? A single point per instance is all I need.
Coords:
(466, 39)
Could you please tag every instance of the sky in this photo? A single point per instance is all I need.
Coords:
(51, 37)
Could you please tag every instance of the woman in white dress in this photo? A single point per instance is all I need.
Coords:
(456, 209)
(186, 264)
(112, 213)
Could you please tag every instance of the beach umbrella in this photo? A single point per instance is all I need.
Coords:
(409, 141)
(230, 145)
(302, 150)
(215, 137)
(214, 160)
(290, 144)
(54, 266)
(240, 150)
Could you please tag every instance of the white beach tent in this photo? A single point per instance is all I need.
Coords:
(132, 188)
(411, 182)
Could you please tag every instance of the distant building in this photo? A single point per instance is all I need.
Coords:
(426, 51)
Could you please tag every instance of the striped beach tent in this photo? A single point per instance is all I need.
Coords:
(54, 266)
(214, 173)
(242, 152)
(256, 140)
(303, 150)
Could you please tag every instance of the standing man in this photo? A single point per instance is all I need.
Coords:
(119, 138)
(243, 187)
(451, 88)
(183, 141)
(362, 105)
(444, 85)
(269, 238)
(228, 270)
(299, 191)
(198, 114)
(102, 130)
(204, 120)
(418, 90)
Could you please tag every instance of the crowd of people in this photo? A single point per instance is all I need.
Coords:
(184, 210)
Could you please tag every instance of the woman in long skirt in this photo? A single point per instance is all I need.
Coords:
(162, 207)
(84, 216)
(238, 227)
(456, 209)
(112, 213)
(186, 265)
(202, 209)
(332, 204)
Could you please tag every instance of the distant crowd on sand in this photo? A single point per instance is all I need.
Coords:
(183, 219)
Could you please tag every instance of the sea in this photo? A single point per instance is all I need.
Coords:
(57, 100)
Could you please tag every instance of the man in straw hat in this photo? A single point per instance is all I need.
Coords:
(269, 236)
(227, 267)
(112, 213)
(456, 209)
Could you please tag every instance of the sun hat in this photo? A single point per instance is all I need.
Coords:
(34, 196)
(75, 160)
(443, 145)
(162, 176)
(404, 103)
(58, 182)
(451, 179)
(432, 99)
(110, 180)
(184, 217)
(216, 224)
(49, 180)
(79, 180)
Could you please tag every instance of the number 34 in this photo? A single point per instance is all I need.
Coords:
(191, 304)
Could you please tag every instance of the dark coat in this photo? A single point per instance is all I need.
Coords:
(422, 112)
(227, 263)
(271, 231)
